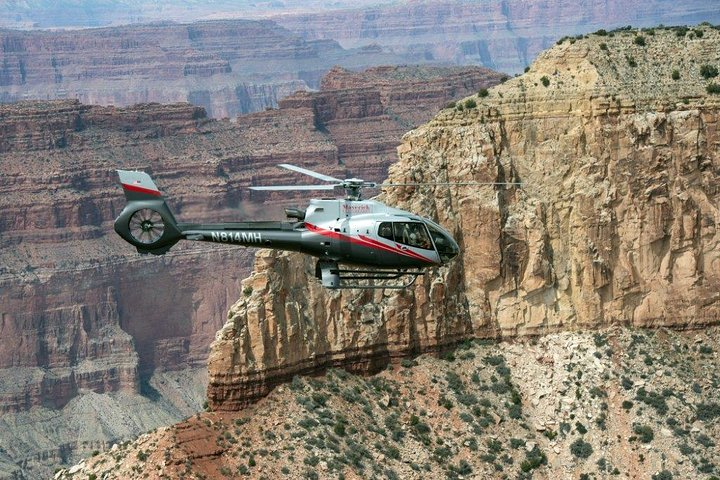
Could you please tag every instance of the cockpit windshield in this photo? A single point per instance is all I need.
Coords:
(446, 246)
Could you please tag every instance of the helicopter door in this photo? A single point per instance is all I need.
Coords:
(344, 243)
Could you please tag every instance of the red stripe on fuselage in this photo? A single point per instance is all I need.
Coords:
(367, 242)
(135, 188)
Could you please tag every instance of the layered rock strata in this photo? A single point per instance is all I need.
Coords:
(228, 67)
(614, 220)
(82, 316)
(502, 34)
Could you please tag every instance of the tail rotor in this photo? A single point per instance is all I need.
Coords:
(146, 221)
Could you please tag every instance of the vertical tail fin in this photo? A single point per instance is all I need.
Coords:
(138, 186)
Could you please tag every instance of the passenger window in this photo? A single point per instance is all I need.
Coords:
(385, 231)
(413, 234)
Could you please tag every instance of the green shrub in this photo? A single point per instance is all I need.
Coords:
(708, 71)
(533, 460)
(662, 475)
(645, 433)
(580, 428)
(450, 105)
(627, 404)
(408, 363)
(603, 46)
(247, 291)
(581, 449)
(713, 88)
(470, 103)
(483, 93)
(631, 61)
(450, 357)
(675, 75)
(699, 33)
(639, 40)
(602, 32)
(545, 80)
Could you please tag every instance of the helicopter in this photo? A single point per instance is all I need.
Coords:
(392, 247)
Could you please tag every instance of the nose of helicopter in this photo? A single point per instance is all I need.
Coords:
(451, 251)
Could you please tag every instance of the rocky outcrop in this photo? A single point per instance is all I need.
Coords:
(505, 35)
(614, 221)
(82, 316)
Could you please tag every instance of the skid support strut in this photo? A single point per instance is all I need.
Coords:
(332, 276)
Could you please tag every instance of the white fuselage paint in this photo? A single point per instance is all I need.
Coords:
(237, 237)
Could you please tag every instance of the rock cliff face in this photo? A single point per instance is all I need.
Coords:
(505, 35)
(87, 323)
(615, 221)
(228, 67)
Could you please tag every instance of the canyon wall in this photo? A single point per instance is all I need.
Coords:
(85, 322)
(228, 67)
(505, 35)
(614, 142)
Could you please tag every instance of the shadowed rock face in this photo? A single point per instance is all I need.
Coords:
(82, 313)
(615, 221)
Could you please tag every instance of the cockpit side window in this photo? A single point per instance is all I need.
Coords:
(385, 230)
(413, 234)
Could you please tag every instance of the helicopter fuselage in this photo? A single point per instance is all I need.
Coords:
(340, 230)
(337, 231)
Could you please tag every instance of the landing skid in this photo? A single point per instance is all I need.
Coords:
(332, 276)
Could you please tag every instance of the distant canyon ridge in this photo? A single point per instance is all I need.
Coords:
(235, 66)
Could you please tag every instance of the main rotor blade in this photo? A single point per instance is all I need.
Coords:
(305, 171)
(294, 187)
(417, 184)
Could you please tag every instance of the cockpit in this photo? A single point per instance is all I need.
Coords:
(426, 235)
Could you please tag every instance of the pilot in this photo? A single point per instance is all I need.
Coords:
(386, 231)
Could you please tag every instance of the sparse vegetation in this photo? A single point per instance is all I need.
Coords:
(581, 448)
(645, 433)
(708, 71)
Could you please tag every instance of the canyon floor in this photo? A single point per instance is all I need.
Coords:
(616, 403)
